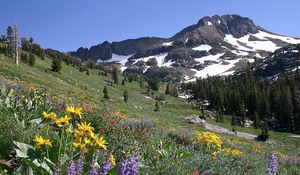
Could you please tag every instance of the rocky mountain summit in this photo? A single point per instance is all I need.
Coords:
(217, 45)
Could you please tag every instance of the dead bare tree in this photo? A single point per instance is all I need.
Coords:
(16, 43)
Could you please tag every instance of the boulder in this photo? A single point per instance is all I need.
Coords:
(194, 119)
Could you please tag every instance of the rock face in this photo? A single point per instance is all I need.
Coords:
(217, 45)
(104, 51)
(195, 119)
(286, 59)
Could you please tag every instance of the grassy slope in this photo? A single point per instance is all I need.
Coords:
(88, 89)
(72, 83)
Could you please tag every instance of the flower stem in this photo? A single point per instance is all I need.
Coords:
(61, 139)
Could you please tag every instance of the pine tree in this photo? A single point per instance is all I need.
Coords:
(154, 84)
(3, 46)
(115, 76)
(125, 95)
(56, 65)
(105, 93)
(264, 131)
(287, 109)
(242, 114)
(24, 58)
(10, 40)
(31, 59)
(256, 120)
(25, 44)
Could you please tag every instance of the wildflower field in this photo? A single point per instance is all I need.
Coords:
(62, 128)
(40, 136)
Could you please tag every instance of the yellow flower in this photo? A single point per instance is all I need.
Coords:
(78, 134)
(70, 109)
(70, 131)
(78, 112)
(236, 152)
(83, 126)
(101, 143)
(210, 139)
(11, 93)
(45, 114)
(40, 141)
(112, 160)
(76, 144)
(87, 141)
(231, 151)
(63, 120)
(73, 110)
(93, 136)
(279, 154)
(52, 116)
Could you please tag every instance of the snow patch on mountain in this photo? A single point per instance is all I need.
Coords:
(244, 44)
(203, 47)
(209, 58)
(168, 43)
(216, 69)
(240, 52)
(160, 58)
(265, 35)
(263, 42)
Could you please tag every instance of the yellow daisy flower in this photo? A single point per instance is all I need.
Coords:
(78, 111)
(83, 126)
(70, 109)
(63, 120)
(40, 141)
(101, 143)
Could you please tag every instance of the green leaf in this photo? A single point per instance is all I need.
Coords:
(38, 167)
(113, 171)
(23, 149)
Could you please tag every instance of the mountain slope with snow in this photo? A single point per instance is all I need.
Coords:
(217, 45)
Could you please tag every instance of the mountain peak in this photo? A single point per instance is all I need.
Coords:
(235, 25)
(216, 45)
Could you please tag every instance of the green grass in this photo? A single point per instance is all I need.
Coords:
(71, 83)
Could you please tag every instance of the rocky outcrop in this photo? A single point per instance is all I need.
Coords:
(104, 51)
(283, 60)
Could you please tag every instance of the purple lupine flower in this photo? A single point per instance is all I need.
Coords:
(105, 167)
(130, 166)
(93, 166)
(57, 169)
(146, 123)
(272, 163)
(71, 169)
(79, 164)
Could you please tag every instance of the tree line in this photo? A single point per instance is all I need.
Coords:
(272, 103)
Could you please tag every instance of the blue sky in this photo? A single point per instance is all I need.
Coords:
(69, 24)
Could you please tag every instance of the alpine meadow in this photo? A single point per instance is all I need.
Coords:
(218, 97)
